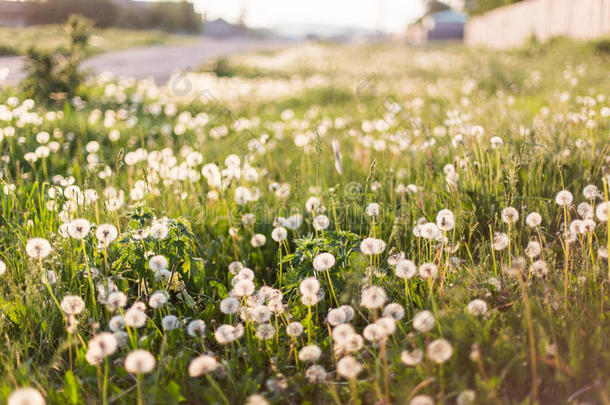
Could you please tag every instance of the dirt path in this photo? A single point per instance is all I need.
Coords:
(153, 61)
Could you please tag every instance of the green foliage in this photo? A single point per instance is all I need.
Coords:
(56, 75)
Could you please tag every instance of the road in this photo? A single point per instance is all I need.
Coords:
(158, 61)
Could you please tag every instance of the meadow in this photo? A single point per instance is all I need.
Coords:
(16, 41)
(321, 224)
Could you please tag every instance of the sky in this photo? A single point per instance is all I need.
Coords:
(387, 15)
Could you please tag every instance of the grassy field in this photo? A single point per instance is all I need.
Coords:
(16, 41)
(322, 224)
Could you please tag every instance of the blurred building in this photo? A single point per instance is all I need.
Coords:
(440, 25)
(12, 14)
(222, 28)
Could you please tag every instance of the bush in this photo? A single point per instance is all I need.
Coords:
(55, 75)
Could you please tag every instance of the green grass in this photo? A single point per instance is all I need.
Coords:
(16, 41)
(402, 117)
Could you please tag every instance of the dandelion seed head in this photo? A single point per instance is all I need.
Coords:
(38, 248)
(202, 365)
(72, 305)
(477, 307)
(25, 396)
(510, 215)
(564, 197)
(373, 297)
(323, 262)
(412, 358)
(140, 362)
(158, 299)
(79, 228)
(348, 367)
(135, 318)
(394, 310)
(533, 219)
(439, 350)
(315, 374)
(424, 321)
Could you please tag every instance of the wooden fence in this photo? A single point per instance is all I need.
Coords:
(511, 26)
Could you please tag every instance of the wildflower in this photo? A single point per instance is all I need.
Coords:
(424, 321)
(158, 299)
(2, 267)
(466, 397)
(235, 267)
(196, 328)
(309, 286)
(202, 365)
(38, 248)
(116, 323)
(394, 310)
(533, 249)
(323, 262)
(348, 367)
(539, 268)
(421, 400)
(412, 358)
(500, 241)
(564, 197)
(229, 305)
(315, 374)
(372, 297)
(445, 220)
(321, 222)
(258, 240)
(135, 318)
(256, 399)
(428, 270)
(170, 322)
(336, 316)
(373, 210)
(228, 333)
(79, 228)
(106, 234)
(265, 331)
(25, 396)
(72, 305)
(477, 307)
(585, 210)
(510, 215)
(159, 231)
(243, 288)
(115, 300)
(279, 234)
(310, 353)
(101, 346)
(158, 263)
(373, 333)
(394, 258)
(372, 246)
(312, 204)
(140, 362)
(533, 219)
(602, 210)
(261, 314)
(496, 142)
(294, 329)
(591, 192)
(294, 222)
(439, 350)
(349, 312)
(405, 269)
